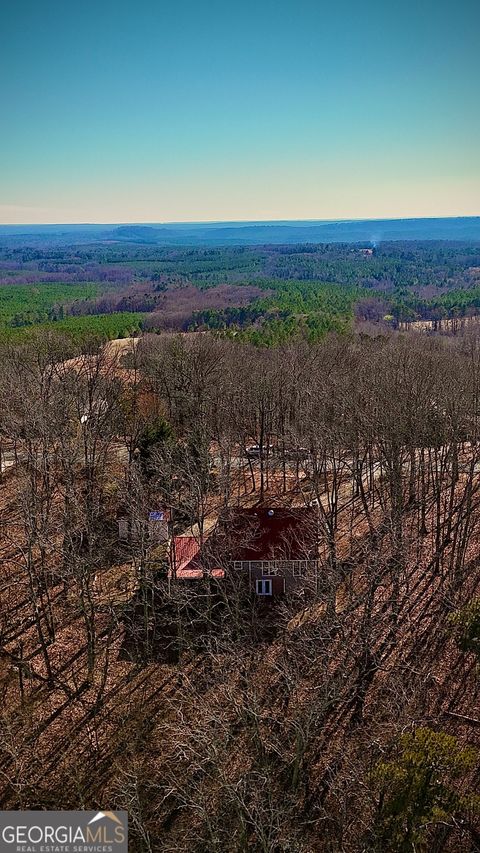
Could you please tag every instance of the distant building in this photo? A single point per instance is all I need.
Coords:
(154, 528)
(158, 526)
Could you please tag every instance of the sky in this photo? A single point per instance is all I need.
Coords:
(201, 110)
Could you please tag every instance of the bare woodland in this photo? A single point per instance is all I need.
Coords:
(345, 720)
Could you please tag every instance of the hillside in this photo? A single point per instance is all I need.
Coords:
(340, 716)
(251, 233)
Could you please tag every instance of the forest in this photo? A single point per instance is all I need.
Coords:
(264, 294)
(340, 717)
(316, 695)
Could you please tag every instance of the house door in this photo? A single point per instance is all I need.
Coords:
(264, 586)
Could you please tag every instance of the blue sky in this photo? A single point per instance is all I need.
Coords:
(191, 111)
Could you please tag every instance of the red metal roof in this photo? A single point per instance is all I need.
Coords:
(186, 549)
(266, 533)
(186, 563)
(258, 533)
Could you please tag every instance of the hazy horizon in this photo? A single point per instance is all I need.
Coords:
(205, 222)
(232, 220)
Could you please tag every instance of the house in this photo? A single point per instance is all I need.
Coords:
(275, 548)
(186, 561)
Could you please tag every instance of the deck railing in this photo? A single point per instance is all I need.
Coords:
(297, 568)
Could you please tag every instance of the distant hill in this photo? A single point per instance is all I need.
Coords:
(139, 232)
(374, 231)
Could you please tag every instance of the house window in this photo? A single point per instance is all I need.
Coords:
(264, 587)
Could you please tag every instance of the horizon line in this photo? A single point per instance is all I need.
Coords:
(237, 221)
